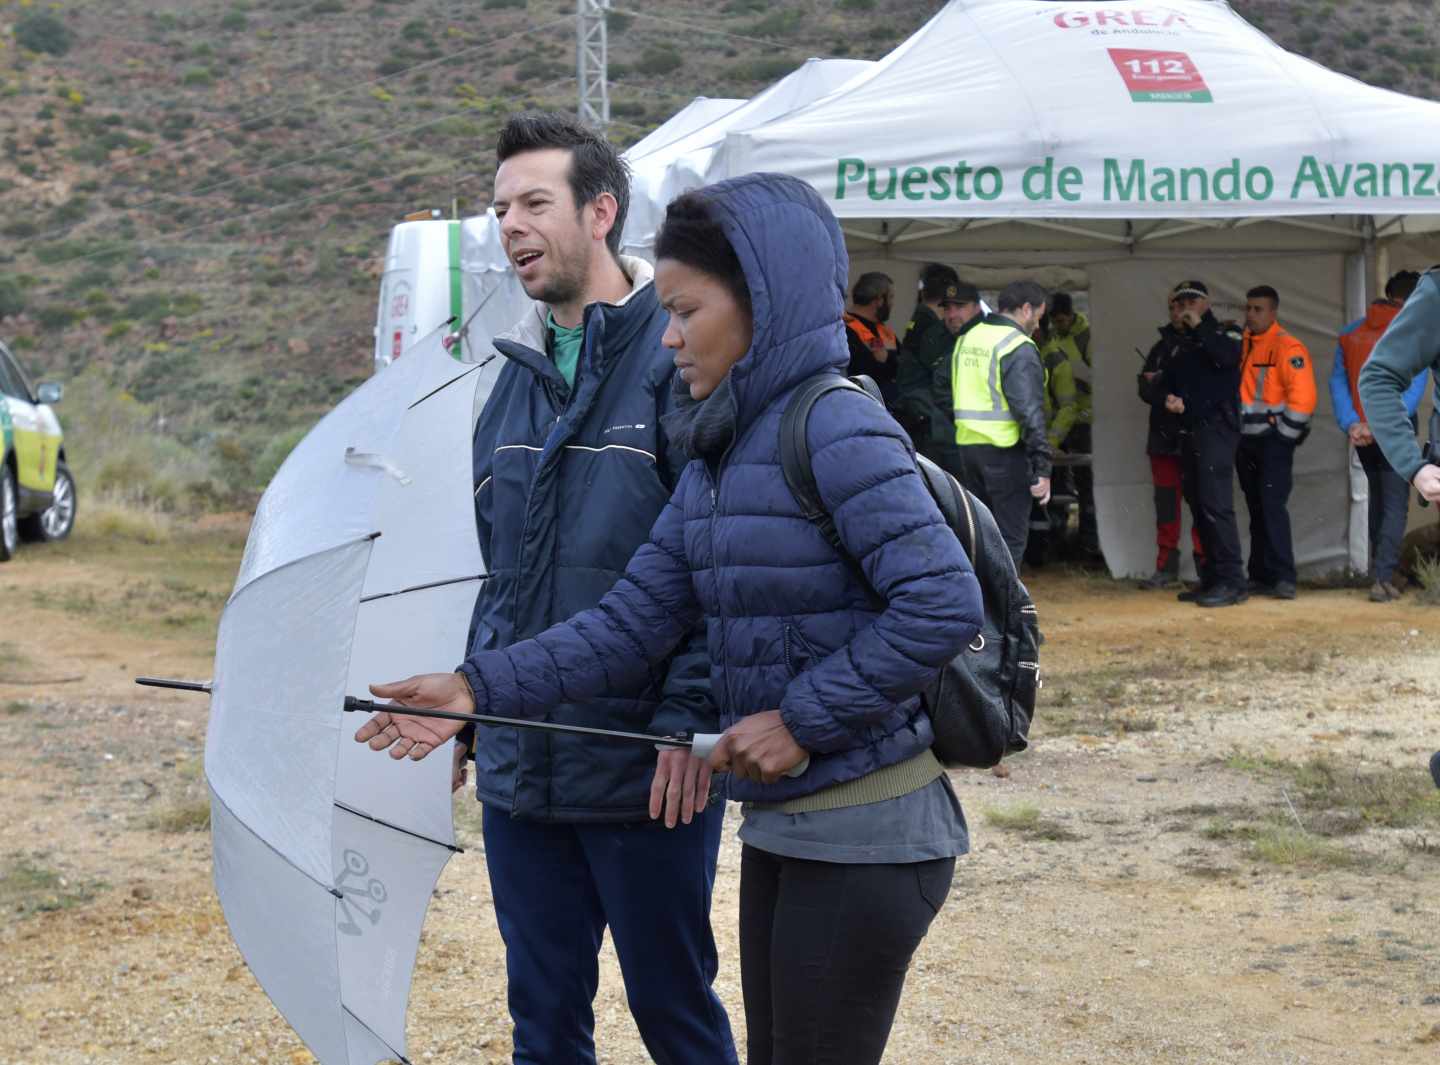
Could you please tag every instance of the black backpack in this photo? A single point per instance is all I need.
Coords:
(983, 700)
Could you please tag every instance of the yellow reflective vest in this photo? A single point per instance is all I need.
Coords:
(982, 413)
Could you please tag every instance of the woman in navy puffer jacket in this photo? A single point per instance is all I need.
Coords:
(845, 864)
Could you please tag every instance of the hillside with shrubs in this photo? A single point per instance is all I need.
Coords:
(196, 196)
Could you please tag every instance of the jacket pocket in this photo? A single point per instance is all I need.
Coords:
(799, 655)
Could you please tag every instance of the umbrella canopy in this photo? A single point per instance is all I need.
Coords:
(362, 565)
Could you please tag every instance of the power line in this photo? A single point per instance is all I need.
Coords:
(700, 28)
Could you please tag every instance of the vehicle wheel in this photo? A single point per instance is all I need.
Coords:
(55, 521)
(9, 520)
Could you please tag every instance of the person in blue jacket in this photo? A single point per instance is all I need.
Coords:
(815, 654)
(1388, 494)
(571, 469)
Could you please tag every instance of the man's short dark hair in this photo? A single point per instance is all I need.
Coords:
(1062, 303)
(870, 287)
(1018, 293)
(1264, 292)
(935, 279)
(595, 165)
(1402, 285)
(690, 235)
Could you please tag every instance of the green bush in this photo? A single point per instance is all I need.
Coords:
(197, 76)
(500, 5)
(659, 59)
(43, 33)
(234, 22)
(12, 297)
(57, 317)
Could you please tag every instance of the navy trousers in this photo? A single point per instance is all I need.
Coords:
(1265, 467)
(1208, 480)
(558, 886)
(1389, 510)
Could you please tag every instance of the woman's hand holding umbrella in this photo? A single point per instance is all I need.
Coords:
(417, 736)
(758, 747)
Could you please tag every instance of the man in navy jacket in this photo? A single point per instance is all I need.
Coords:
(571, 471)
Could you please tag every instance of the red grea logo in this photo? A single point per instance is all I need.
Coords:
(1107, 17)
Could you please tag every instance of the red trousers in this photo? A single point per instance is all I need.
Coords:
(1165, 474)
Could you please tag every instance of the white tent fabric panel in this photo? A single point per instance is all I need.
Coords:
(662, 175)
(1115, 112)
(280, 672)
(698, 113)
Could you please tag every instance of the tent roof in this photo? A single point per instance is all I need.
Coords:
(1063, 112)
(698, 113)
(664, 173)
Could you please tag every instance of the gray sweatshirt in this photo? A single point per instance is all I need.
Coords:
(1409, 347)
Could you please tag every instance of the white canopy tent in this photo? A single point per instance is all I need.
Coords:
(1135, 144)
(660, 174)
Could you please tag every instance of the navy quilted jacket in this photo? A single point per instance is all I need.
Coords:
(789, 623)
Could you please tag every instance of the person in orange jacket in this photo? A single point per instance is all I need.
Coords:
(1277, 403)
(1389, 493)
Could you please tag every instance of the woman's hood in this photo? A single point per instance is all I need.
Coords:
(790, 247)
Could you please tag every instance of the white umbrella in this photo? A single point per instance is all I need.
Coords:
(362, 566)
(325, 855)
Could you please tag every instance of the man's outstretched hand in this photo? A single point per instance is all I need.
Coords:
(417, 736)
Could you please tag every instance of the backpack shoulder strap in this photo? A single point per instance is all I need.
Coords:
(795, 447)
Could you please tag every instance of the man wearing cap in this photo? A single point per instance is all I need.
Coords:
(998, 389)
(923, 375)
(1389, 495)
(1277, 403)
(1202, 386)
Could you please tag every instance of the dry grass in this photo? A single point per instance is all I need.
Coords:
(1025, 818)
(1287, 845)
(189, 816)
(106, 520)
(27, 887)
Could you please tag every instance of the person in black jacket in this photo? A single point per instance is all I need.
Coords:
(1162, 445)
(1202, 386)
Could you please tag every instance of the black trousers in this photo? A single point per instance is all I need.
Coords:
(1083, 478)
(824, 949)
(1266, 468)
(1208, 481)
(1000, 478)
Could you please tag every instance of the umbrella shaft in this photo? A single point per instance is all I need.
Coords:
(353, 704)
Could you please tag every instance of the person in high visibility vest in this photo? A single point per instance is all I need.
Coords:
(1067, 342)
(1277, 402)
(874, 347)
(923, 405)
(997, 384)
(1389, 495)
(1201, 385)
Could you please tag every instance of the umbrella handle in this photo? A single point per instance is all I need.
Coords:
(703, 743)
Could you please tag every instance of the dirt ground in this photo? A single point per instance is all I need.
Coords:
(1223, 846)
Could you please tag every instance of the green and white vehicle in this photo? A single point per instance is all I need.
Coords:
(37, 493)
